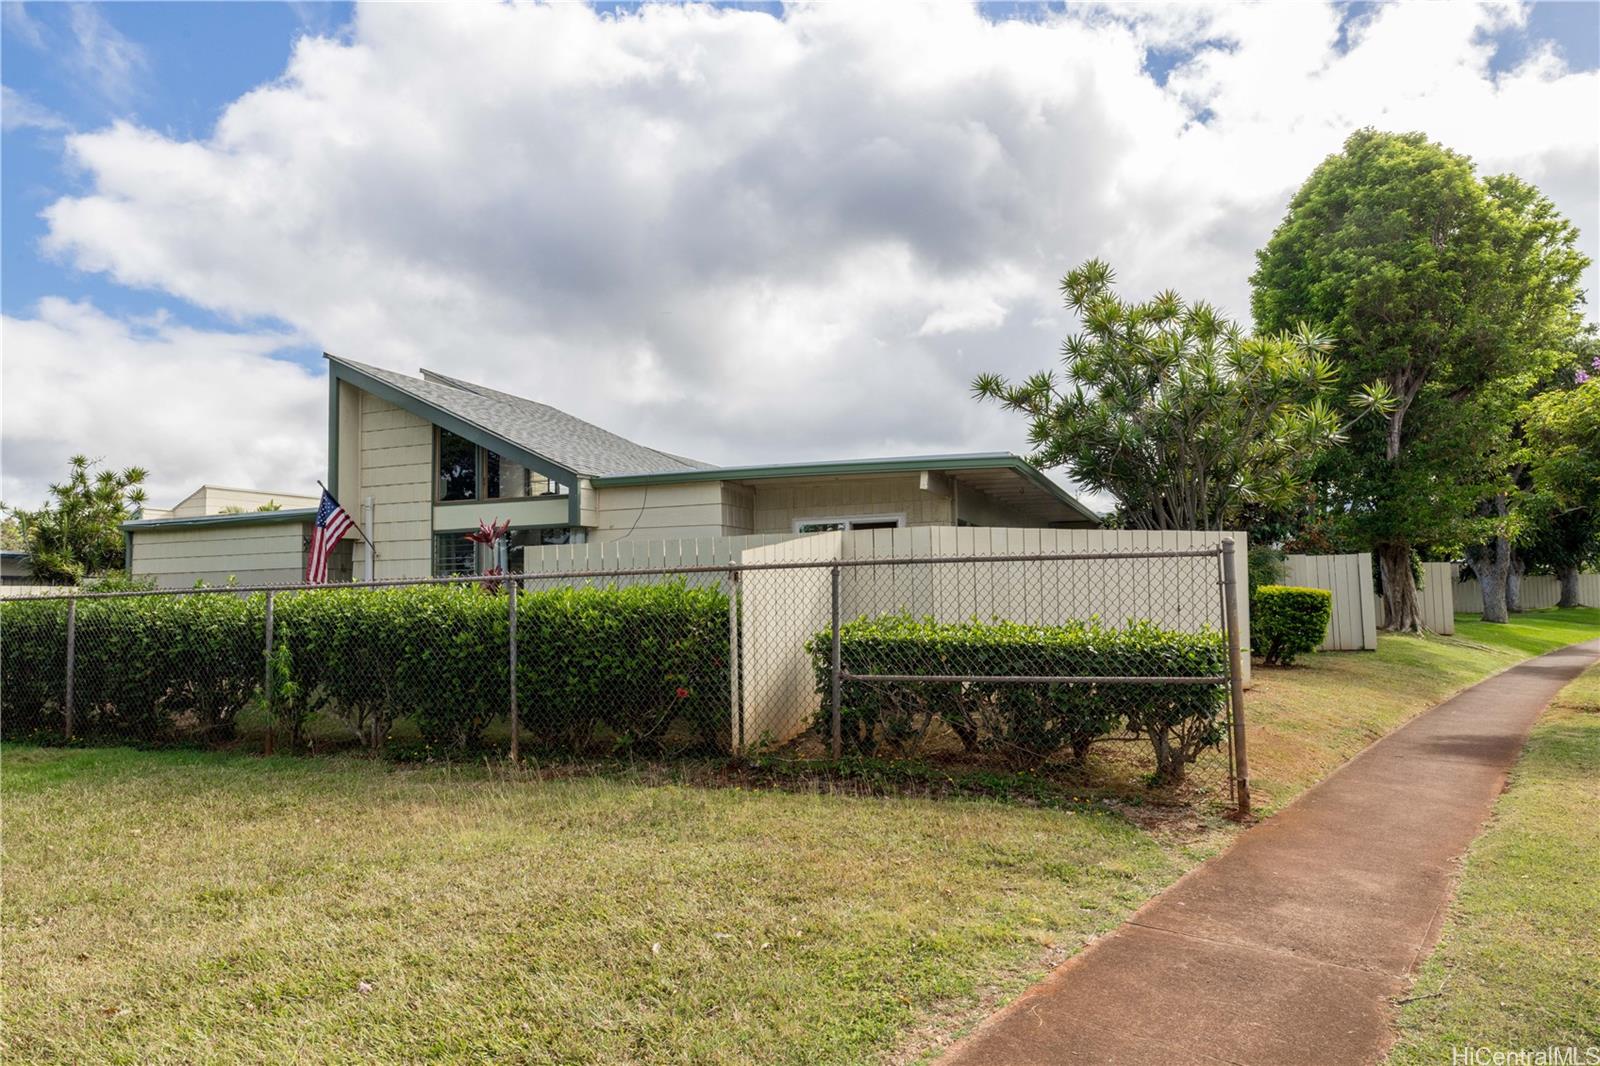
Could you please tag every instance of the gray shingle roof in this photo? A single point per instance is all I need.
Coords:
(579, 446)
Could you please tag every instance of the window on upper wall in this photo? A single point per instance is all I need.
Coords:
(458, 467)
(506, 479)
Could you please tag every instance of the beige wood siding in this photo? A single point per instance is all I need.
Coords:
(659, 512)
(395, 468)
(266, 554)
(738, 509)
(545, 511)
(979, 509)
(779, 503)
(216, 499)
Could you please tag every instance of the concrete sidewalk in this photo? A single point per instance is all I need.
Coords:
(1289, 947)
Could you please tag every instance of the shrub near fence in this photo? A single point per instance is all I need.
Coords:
(1025, 724)
(598, 668)
(155, 669)
(1290, 621)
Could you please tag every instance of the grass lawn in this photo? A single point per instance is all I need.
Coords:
(1304, 721)
(1518, 964)
(181, 906)
(184, 906)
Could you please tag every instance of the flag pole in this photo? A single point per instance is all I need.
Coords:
(353, 524)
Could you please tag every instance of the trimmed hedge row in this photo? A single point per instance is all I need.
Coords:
(147, 669)
(627, 662)
(1025, 724)
(1288, 621)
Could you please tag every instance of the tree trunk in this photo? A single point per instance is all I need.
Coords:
(1402, 613)
(1569, 587)
(1514, 584)
(1491, 563)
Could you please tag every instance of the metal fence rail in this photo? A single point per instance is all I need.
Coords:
(1108, 665)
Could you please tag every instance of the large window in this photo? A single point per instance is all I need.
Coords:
(468, 472)
(458, 467)
(505, 479)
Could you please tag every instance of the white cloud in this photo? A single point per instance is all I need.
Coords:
(191, 405)
(745, 238)
(104, 56)
(18, 112)
(21, 25)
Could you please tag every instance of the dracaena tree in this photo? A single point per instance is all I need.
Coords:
(1174, 411)
(78, 532)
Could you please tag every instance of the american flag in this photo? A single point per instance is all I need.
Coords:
(332, 525)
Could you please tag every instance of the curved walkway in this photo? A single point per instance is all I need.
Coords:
(1289, 947)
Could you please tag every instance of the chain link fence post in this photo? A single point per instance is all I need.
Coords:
(267, 686)
(1230, 588)
(837, 731)
(72, 656)
(735, 712)
(516, 718)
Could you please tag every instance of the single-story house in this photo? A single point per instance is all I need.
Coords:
(15, 568)
(419, 461)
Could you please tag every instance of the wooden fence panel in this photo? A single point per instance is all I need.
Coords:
(1354, 624)
(1538, 592)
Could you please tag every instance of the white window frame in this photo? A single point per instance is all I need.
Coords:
(849, 520)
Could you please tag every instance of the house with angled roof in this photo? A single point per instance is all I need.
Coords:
(420, 461)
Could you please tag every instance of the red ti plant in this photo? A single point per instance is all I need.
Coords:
(490, 534)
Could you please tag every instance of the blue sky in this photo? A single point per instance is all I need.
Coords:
(199, 57)
(193, 60)
(884, 211)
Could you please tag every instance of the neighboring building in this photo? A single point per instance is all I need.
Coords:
(418, 462)
(220, 499)
(15, 568)
(217, 534)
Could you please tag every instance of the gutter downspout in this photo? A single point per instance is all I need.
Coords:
(366, 523)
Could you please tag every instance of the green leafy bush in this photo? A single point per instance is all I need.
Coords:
(435, 653)
(33, 657)
(627, 664)
(147, 668)
(1025, 724)
(1287, 621)
(635, 660)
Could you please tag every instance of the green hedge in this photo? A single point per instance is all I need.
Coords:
(626, 666)
(1287, 621)
(1025, 724)
(33, 657)
(149, 669)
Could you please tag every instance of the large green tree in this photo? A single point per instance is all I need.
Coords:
(1562, 431)
(1174, 411)
(78, 532)
(1455, 291)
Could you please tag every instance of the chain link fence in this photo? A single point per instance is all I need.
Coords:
(1110, 669)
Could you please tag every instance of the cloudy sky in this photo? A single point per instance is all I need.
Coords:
(739, 234)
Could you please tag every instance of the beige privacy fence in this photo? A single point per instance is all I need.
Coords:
(1357, 609)
(782, 609)
(1538, 591)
